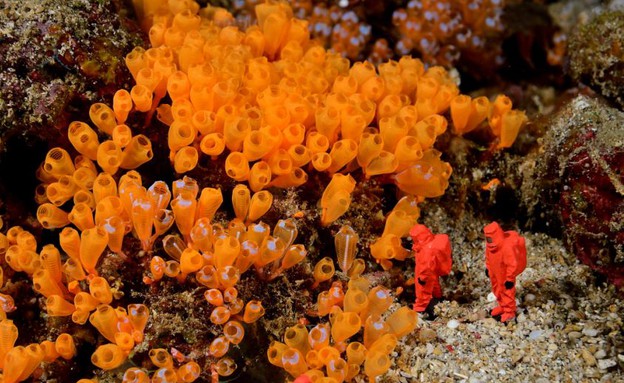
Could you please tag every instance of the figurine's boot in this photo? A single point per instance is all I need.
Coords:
(506, 317)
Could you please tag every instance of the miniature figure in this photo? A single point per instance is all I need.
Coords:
(433, 260)
(505, 259)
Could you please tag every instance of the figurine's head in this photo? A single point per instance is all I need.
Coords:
(494, 236)
(420, 234)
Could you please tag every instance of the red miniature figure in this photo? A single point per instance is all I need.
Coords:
(433, 260)
(505, 259)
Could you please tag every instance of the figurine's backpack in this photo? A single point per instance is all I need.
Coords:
(518, 244)
(444, 261)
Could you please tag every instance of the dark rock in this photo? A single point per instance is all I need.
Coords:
(58, 57)
(579, 176)
(597, 55)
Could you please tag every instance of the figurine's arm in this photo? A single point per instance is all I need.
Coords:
(511, 265)
(425, 270)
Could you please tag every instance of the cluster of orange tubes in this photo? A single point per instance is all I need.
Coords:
(165, 372)
(328, 352)
(398, 223)
(215, 255)
(441, 31)
(19, 362)
(344, 30)
(63, 179)
(277, 105)
(61, 283)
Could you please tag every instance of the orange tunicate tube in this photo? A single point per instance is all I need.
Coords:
(57, 306)
(81, 216)
(65, 346)
(461, 108)
(321, 161)
(323, 270)
(234, 331)
(58, 163)
(355, 301)
(256, 145)
(83, 138)
(237, 166)
(135, 375)
(92, 243)
(392, 129)
(253, 311)
(109, 156)
(479, 112)
(346, 85)
(260, 203)
(294, 362)
(318, 337)
(345, 325)
(122, 105)
(183, 207)
(190, 261)
(259, 176)
(345, 243)
(342, 153)
(212, 144)
(207, 276)
(182, 111)
(138, 151)
(275, 351)
(297, 337)
(299, 154)
(214, 297)
(188, 372)
(104, 185)
(103, 117)
(362, 71)
(220, 315)
(84, 177)
(280, 162)
(352, 123)
(336, 206)
(408, 151)
(376, 364)
(428, 177)
(185, 159)
(402, 321)
(328, 122)
(180, 135)
(511, 123)
(135, 60)
(241, 200)
(294, 255)
(219, 347)
(317, 142)
(51, 217)
(122, 135)
(142, 98)
(105, 320)
(370, 147)
(384, 163)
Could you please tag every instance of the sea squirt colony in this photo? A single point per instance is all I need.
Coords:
(277, 106)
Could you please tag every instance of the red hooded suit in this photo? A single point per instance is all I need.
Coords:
(505, 259)
(433, 259)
